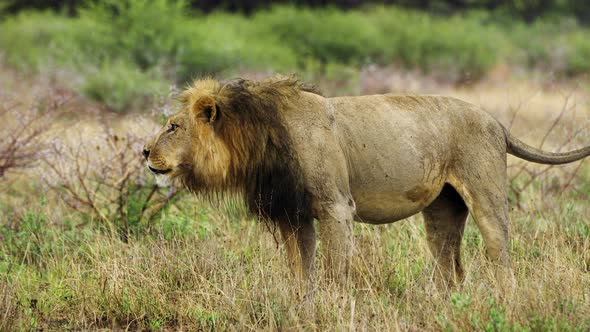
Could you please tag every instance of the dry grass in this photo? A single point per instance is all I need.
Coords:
(226, 272)
(200, 267)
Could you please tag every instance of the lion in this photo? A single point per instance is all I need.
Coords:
(296, 156)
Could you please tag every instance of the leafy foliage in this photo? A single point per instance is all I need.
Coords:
(122, 49)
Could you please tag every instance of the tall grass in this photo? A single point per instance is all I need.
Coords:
(223, 271)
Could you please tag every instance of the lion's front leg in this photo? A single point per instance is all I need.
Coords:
(300, 242)
(289, 236)
(337, 240)
(306, 240)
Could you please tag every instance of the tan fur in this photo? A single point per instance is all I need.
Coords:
(296, 155)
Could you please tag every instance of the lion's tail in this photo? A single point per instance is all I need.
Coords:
(527, 152)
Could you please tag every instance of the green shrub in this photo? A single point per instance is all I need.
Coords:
(385, 35)
(249, 44)
(121, 85)
(578, 53)
(145, 32)
(559, 45)
(161, 34)
(450, 45)
(328, 35)
(33, 41)
(220, 42)
(545, 44)
(124, 50)
(529, 45)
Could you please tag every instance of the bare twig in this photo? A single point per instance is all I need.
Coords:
(21, 140)
(102, 176)
(535, 176)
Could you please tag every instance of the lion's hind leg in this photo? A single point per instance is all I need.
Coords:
(444, 221)
(481, 181)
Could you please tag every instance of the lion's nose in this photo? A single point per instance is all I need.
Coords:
(146, 153)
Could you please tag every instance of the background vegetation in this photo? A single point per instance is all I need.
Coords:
(88, 241)
(525, 9)
(123, 51)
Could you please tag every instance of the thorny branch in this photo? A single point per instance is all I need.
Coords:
(104, 175)
(21, 142)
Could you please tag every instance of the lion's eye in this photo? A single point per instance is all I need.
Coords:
(172, 127)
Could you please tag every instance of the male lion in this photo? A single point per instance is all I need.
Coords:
(295, 156)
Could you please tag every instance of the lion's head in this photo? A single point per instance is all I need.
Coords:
(189, 145)
(232, 137)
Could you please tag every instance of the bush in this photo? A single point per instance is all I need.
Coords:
(385, 35)
(328, 35)
(122, 48)
(104, 179)
(161, 34)
(456, 45)
(144, 32)
(559, 45)
(222, 42)
(35, 41)
(120, 86)
(22, 141)
(124, 51)
(578, 53)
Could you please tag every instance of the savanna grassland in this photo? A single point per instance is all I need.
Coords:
(87, 241)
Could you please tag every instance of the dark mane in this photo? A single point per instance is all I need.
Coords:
(264, 166)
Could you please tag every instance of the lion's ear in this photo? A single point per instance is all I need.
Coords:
(205, 109)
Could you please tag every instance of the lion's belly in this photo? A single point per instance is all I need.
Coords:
(390, 180)
(397, 161)
(377, 205)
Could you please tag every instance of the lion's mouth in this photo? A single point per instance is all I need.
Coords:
(159, 171)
